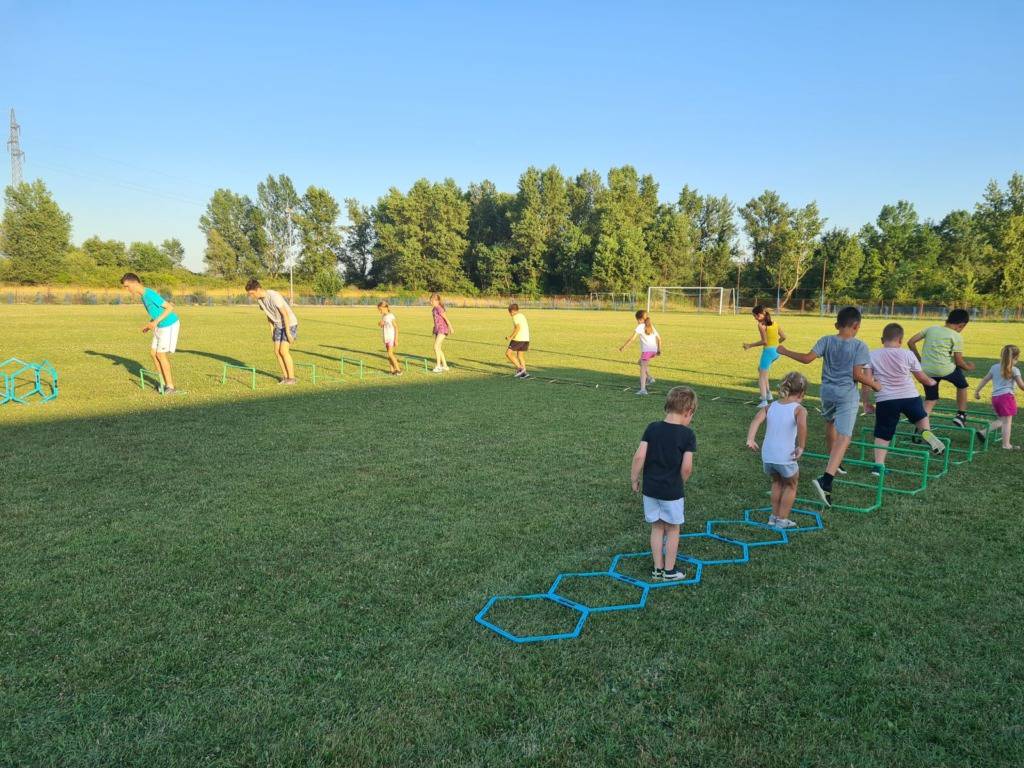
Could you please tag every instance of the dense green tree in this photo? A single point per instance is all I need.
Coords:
(489, 232)
(716, 246)
(1011, 282)
(966, 270)
(782, 239)
(146, 257)
(319, 235)
(35, 234)
(540, 230)
(106, 253)
(421, 237)
(356, 255)
(627, 210)
(900, 255)
(838, 254)
(173, 250)
(275, 197)
(236, 250)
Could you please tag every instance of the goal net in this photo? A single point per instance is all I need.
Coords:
(675, 298)
(607, 297)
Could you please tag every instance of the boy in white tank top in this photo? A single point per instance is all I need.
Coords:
(784, 439)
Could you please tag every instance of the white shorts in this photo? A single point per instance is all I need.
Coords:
(166, 339)
(670, 512)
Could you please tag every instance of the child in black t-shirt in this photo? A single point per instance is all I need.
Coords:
(665, 457)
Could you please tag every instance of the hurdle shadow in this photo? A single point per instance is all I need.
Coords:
(133, 367)
(212, 356)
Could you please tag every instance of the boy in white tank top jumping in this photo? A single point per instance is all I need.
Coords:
(784, 439)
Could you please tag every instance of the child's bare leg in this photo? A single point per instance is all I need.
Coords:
(392, 360)
(776, 494)
(643, 374)
(658, 543)
(882, 448)
(671, 545)
(438, 355)
(522, 360)
(1006, 424)
(163, 364)
(837, 448)
(512, 358)
(961, 399)
(762, 382)
(787, 496)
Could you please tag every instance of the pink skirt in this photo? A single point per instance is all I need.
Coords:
(1005, 404)
(648, 355)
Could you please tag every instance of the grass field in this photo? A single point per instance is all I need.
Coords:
(289, 576)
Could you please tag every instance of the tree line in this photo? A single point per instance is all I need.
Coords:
(559, 234)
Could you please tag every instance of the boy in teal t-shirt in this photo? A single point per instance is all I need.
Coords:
(163, 323)
(942, 358)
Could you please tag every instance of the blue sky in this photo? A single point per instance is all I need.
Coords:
(134, 113)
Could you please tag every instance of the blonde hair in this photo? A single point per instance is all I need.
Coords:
(793, 383)
(383, 304)
(1007, 357)
(680, 400)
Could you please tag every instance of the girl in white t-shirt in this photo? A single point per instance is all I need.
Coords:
(650, 346)
(389, 328)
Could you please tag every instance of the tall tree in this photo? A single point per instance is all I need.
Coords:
(966, 260)
(275, 197)
(628, 210)
(146, 257)
(173, 250)
(357, 244)
(35, 233)
(320, 238)
(1011, 287)
(236, 251)
(900, 254)
(717, 240)
(782, 239)
(540, 230)
(838, 254)
(421, 237)
(489, 232)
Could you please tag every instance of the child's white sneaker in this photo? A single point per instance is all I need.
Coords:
(642, 392)
(651, 380)
(937, 445)
(763, 404)
(781, 522)
(438, 369)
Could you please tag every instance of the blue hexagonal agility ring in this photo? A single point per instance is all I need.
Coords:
(779, 535)
(742, 557)
(630, 583)
(42, 381)
(613, 570)
(584, 612)
(805, 519)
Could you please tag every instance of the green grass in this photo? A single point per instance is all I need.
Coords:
(289, 576)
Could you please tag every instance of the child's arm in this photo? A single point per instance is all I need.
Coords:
(515, 330)
(912, 343)
(862, 374)
(800, 357)
(658, 337)
(924, 378)
(1019, 380)
(628, 341)
(762, 343)
(801, 431)
(865, 399)
(451, 328)
(963, 365)
(638, 466)
(394, 324)
(981, 385)
(782, 335)
(755, 425)
(686, 470)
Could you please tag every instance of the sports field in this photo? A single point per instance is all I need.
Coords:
(289, 576)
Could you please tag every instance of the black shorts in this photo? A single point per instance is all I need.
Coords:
(956, 378)
(888, 412)
(519, 346)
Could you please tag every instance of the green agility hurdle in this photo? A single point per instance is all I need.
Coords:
(351, 361)
(410, 358)
(155, 376)
(877, 487)
(938, 465)
(920, 476)
(250, 368)
(312, 369)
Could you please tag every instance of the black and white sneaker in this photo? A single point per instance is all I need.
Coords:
(823, 487)
(651, 380)
(841, 470)
(519, 373)
(657, 573)
(673, 575)
(960, 420)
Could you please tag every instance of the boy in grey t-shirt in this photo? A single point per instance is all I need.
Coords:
(845, 359)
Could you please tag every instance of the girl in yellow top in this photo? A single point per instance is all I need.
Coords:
(771, 337)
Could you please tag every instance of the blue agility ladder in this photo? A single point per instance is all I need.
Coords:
(43, 383)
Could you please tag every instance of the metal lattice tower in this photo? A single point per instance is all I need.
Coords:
(14, 147)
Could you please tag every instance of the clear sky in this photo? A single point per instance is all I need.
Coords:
(134, 113)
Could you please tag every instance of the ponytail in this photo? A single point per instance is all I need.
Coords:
(761, 309)
(794, 383)
(648, 325)
(1007, 357)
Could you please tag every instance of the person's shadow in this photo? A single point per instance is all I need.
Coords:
(132, 366)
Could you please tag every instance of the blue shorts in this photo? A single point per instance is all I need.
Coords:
(768, 356)
(279, 334)
(785, 471)
(841, 413)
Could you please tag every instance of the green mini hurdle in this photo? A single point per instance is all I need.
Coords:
(976, 444)
(877, 487)
(410, 358)
(312, 369)
(156, 377)
(938, 465)
(351, 361)
(894, 453)
(250, 368)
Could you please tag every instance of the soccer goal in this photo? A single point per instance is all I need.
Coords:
(676, 298)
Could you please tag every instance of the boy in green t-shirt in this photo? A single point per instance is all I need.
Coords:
(942, 358)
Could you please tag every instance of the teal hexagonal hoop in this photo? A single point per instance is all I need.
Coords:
(25, 382)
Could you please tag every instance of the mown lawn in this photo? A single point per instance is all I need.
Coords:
(289, 576)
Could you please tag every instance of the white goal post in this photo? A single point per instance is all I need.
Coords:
(689, 298)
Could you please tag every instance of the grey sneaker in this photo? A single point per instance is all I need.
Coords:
(674, 575)
(937, 446)
(651, 380)
(642, 392)
(784, 523)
